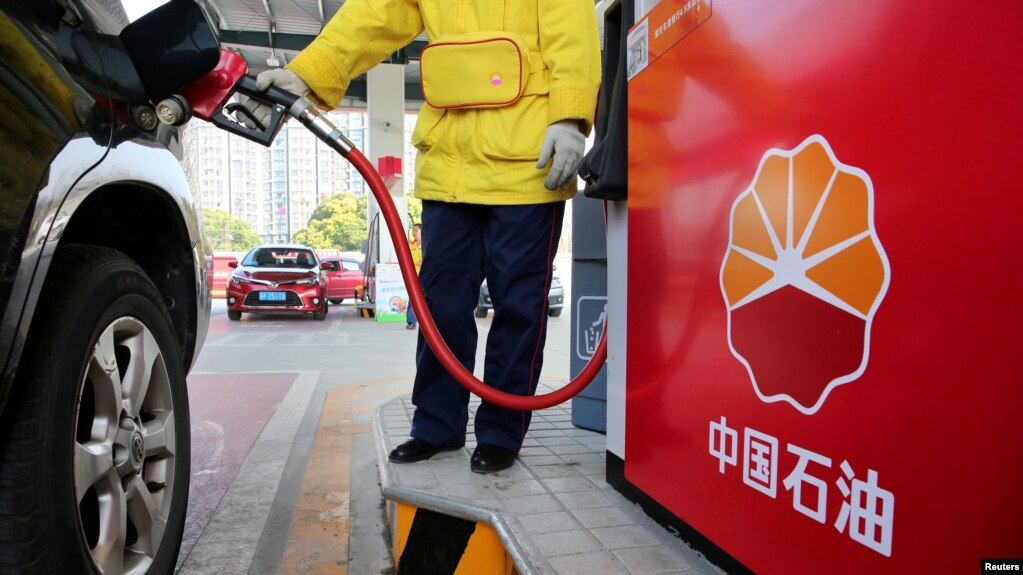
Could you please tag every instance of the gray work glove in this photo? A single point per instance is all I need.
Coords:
(280, 77)
(566, 143)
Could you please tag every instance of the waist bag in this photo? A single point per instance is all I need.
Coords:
(475, 70)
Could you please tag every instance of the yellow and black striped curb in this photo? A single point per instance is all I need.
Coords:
(435, 535)
(428, 542)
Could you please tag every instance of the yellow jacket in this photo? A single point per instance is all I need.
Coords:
(479, 156)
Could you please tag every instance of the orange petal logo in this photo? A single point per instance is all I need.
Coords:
(804, 275)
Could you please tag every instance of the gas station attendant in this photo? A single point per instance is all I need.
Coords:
(510, 90)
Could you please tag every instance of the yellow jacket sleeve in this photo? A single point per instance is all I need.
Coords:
(357, 38)
(571, 51)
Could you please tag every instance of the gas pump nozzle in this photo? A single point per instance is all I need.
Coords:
(208, 98)
(228, 115)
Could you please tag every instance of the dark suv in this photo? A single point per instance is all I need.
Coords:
(104, 290)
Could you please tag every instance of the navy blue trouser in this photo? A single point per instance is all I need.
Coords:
(513, 247)
(410, 315)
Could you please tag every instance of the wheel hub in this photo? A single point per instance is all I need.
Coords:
(129, 448)
(138, 450)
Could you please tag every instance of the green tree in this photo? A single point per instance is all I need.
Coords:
(227, 233)
(339, 222)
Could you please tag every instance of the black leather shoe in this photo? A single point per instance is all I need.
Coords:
(490, 458)
(417, 450)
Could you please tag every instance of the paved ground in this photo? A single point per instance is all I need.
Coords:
(553, 510)
(284, 476)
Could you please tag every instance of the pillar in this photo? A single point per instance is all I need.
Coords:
(385, 95)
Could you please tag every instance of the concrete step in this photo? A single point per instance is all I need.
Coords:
(551, 512)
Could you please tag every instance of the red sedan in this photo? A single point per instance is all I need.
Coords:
(344, 279)
(278, 278)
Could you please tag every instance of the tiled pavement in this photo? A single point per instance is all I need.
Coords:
(553, 510)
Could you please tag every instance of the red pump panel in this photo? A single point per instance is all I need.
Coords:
(823, 334)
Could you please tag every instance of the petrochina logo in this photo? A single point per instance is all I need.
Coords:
(804, 275)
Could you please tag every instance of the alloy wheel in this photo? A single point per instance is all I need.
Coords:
(125, 443)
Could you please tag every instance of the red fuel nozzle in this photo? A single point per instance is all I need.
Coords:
(209, 93)
(209, 97)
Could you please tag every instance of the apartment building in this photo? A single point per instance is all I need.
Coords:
(275, 189)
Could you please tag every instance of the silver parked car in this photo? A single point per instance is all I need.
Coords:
(105, 289)
(555, 298)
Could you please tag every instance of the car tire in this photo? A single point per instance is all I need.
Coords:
(234, 315)
(100, 379)
(554, 312)
(481, 312)
(321, 315)
(336, 301)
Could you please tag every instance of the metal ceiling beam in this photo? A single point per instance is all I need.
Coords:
(357, 90)
(214, 10)
(298, 42)
(282, 41)
(270, 32)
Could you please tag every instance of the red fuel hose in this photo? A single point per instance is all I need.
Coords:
(306, 113)
(429, 328)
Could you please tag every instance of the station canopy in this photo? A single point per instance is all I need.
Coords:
(269, 33)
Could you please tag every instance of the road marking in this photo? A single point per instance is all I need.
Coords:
(318, 541)
(386, 393)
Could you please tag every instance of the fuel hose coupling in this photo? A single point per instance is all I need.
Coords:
(305, 112)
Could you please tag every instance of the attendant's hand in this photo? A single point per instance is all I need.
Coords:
(565, 143)
(279, 77)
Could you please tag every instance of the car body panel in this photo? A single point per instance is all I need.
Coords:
(555, 295)
(344, 279)
(77, 157)
(62, 139)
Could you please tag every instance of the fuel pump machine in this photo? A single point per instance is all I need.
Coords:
(821, 360)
